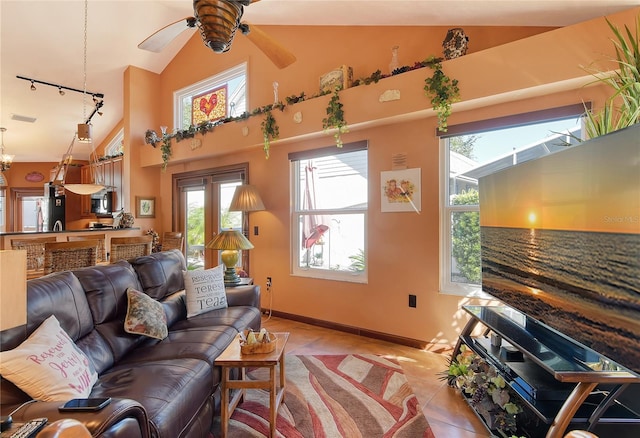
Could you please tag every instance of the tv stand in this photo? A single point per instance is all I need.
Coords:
(552, 375)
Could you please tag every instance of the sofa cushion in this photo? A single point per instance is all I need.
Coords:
(205, 290)
(48, 365)
(145, 316)
(238, 317)
(106, 290)
(160, 273)
(59, 294)
(204, 343)
(171, 391)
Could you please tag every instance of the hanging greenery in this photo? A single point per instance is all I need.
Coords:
(270, 131)
(442, 90)
(166, 151)
(335, 117)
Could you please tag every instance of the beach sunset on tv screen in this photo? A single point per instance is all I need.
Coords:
(561, 242)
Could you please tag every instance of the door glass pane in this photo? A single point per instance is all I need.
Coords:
(195, 228)
(229, 219)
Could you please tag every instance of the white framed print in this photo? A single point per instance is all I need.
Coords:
(400, 190)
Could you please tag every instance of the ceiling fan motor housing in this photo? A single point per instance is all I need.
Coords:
(218, 21)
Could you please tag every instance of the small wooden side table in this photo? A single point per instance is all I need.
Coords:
(231, 357)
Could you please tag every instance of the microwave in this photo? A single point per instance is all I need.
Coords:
(102, 203)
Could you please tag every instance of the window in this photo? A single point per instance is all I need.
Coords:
(472, 151)
(115, 146)
(329, 212)
(222, 95)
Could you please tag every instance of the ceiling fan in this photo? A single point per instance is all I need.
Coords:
(218, 21)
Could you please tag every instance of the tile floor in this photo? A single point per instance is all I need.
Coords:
(446, 412)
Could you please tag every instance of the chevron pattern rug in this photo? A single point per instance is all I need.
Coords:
(334, 396)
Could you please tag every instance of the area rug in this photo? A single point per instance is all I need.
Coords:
(334, 396)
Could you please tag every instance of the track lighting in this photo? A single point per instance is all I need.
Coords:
(61, 88)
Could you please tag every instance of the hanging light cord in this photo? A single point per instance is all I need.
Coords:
(84, 88)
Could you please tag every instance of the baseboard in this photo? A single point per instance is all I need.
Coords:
(409, 342)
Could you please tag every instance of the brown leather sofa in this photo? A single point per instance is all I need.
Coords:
(167, 388)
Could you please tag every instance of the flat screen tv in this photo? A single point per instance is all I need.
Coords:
(560, 240)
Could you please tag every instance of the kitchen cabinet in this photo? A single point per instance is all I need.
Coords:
(109, 172)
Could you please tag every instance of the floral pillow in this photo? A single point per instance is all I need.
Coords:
(145, 316)
(48, 365)
(205, 290)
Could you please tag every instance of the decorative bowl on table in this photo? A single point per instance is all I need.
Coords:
(265, 344)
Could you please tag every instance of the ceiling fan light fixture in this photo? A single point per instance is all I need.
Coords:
(217, 21)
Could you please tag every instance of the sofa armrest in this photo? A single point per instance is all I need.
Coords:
(105, 421)
(243, 296)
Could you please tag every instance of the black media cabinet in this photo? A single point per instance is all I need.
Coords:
(559, 381)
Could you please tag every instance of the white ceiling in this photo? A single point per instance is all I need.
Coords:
(44, 40)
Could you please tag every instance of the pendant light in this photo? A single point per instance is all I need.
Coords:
(84, 133)
(5, 159)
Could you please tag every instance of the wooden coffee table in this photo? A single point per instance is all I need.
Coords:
(231, 357)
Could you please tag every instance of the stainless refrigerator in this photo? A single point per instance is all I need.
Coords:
(53, 215)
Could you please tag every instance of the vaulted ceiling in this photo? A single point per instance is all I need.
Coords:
(43, 40)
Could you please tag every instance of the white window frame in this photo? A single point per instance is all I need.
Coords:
(296, 213)
(467, 289)
(205, 85)
(115, 145)
(446, 285)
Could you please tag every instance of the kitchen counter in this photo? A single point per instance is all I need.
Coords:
(61, 236)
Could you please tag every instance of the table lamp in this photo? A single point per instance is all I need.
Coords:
(230, 242)
(246, 198)
(13, 288)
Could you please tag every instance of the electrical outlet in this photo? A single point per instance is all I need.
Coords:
(268, 282)
(412, 300)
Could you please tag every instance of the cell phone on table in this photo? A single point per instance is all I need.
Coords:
(85, 404)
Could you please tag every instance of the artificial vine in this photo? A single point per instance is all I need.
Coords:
(270, 131)
(335, 117)
(442, 90)
(166, 150)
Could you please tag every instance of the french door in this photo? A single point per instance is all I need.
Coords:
(201, 210)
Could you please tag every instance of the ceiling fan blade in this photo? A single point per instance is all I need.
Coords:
(280, 56)
(159, 40)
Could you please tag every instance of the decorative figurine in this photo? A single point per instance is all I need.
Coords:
(455, 43)
(394, 59)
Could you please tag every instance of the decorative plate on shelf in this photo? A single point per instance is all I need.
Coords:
(34, 177)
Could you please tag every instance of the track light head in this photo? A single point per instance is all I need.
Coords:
(61, 91)
(33, 87)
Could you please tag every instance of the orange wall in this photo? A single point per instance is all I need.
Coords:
(507, 71)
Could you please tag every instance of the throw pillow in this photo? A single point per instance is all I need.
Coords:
(205, 290)
(145, 316)
(48, 365)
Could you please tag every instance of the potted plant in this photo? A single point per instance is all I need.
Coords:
(485, 390)
(622, 108)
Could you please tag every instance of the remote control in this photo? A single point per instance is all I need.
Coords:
(30, 428)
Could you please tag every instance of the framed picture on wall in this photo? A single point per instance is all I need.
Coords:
(145, 206)
(400, 190)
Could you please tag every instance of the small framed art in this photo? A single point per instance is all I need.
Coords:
(145, 206)
(401, 190)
